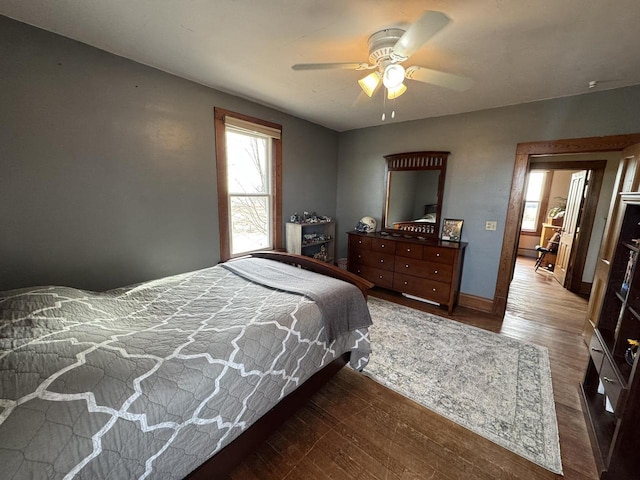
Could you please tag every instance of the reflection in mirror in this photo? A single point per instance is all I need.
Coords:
(413, 197)
(415, 184)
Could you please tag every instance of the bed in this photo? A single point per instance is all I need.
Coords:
(424, 224)
(173, 378)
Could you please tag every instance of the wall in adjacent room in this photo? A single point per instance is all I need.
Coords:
(107, 166)
(480, 167)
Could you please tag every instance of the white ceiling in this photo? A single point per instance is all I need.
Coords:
(516, 51)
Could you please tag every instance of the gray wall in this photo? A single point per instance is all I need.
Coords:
(107, 167)
(480, 167)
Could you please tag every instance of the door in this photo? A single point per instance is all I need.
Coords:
(575, 199)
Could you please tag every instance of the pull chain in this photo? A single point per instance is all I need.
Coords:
(384, 105)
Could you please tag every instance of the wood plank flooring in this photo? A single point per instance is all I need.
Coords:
(356, 428)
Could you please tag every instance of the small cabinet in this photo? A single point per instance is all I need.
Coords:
(315, 240)
(611, 387)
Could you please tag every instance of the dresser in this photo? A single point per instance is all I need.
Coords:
(428, 269)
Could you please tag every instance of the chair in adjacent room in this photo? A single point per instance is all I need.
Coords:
(552, 247)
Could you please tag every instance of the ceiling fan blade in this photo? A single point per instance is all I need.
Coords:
(441, 79)
(330, 66)
(430, 23)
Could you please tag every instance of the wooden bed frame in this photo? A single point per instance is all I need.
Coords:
(232, 455)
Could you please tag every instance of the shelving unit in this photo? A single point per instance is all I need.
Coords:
(611, 387)
(309, 239)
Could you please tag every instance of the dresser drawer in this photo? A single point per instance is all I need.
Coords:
(383, 245)
(439, 255)
(420, 268)
(375, 259)
(410, 250)
(359, 242)
(435, 291)
(382, 278)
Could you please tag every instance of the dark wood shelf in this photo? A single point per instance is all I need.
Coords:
(602, 423)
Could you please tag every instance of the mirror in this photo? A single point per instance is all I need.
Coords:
(415, 184)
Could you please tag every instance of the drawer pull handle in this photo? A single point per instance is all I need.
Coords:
(360, 242)
(408, 249)
(594, 349)
(608, 380)
(406, 283)
(435, 272)
(437, 254)
(434, 289)
(407, 265)
(382, 245)
(380, 276)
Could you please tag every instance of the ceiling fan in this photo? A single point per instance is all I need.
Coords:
(388, 49)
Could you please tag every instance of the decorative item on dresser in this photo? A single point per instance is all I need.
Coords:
(312, 239)
(426, 268)
(611, 386)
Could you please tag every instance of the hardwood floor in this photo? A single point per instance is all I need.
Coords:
(355, 428)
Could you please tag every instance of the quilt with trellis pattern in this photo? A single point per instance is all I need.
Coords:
(152, 380)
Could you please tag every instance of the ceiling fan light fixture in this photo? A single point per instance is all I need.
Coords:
(395, 92)
(393, 75)
(370, 83)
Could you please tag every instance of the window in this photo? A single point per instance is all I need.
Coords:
(249, 165)
(536, 187)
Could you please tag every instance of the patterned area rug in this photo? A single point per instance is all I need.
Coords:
(495, 386)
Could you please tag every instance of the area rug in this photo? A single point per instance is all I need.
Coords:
(495, 386)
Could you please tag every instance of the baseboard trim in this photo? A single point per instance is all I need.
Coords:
(475, 303)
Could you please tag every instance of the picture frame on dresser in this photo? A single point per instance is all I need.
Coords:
(452, 229)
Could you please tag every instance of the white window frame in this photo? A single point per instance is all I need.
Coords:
(544, 184)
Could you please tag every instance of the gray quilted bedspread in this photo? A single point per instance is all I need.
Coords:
(149, 381)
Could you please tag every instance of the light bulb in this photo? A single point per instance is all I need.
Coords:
(393, 75)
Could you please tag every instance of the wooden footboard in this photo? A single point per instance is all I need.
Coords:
(317, 266)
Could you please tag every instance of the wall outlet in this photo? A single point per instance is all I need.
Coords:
(491, 225)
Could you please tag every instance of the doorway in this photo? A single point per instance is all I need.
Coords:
(524, 152)
(575, 228)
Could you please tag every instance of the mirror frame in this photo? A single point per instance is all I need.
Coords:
(415, 161)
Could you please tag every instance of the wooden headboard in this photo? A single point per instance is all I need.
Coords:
(317, 266)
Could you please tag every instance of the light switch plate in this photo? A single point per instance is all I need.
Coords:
(491, 225)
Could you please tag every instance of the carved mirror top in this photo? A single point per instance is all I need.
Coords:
(414, 187)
